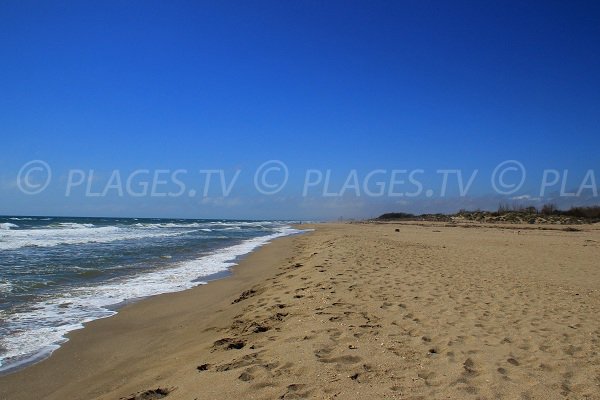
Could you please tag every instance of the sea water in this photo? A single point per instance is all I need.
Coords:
(58, 273)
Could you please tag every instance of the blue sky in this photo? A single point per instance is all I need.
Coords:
(318, 85)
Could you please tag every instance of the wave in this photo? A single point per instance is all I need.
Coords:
(36, 333)
(209, 225)
(7, 225)
(49, 237)
(169, 225)
(253, 224)
(5, 286)
(73, 225)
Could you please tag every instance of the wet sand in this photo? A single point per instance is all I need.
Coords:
(356, 311)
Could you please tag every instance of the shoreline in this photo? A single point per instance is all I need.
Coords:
(355, 311)
(43, 355)
(48, 350)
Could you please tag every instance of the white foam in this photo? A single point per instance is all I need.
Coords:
(168, 225)
(5, 287)
(74, 225)
(38, 332)
(7, 225)
(254, 224)
(205, 225)
(48, 237)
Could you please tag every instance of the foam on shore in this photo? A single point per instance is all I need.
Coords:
(38, 332)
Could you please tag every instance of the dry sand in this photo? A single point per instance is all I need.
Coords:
(356, 311)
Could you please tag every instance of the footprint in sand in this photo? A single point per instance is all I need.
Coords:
(229, 344)
(512, 361)
(296, 391)
(245, 376)
(151, 394)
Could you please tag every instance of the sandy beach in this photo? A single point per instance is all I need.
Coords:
(356, 311)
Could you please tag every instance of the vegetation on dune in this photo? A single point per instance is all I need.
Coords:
(546, 214)
(396, 215)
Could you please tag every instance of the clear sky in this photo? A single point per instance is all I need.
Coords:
(349, 85)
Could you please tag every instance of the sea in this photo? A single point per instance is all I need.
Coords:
(58, 273)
